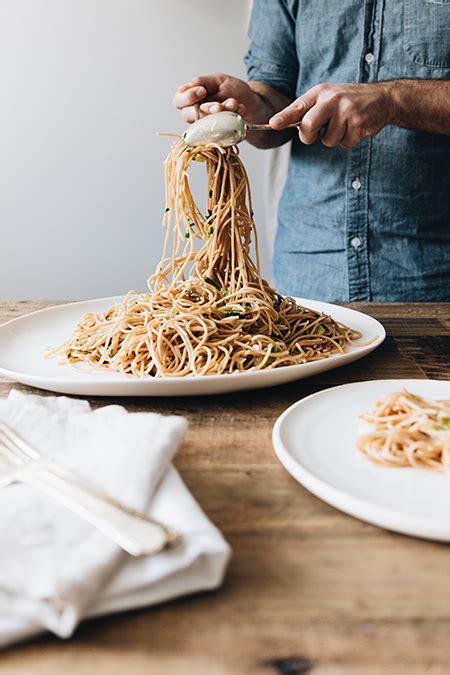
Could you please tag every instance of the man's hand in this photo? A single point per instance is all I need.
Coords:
(255, 101)
(220, 92)
(349, 111)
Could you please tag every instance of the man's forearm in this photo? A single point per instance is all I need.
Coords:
(421, 104)
(271, 101)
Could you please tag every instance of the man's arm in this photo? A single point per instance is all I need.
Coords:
(355, 111)
(421, 104)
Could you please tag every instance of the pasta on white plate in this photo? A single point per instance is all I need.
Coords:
(408, 430)
(208, 311)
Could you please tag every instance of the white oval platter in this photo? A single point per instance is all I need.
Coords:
(24, 342)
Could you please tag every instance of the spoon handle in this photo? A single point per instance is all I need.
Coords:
(264, 127)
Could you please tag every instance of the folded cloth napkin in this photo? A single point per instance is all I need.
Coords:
(55, 568)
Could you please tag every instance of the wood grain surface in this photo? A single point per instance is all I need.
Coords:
(309, 589)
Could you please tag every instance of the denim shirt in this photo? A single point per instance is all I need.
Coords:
(371, 222)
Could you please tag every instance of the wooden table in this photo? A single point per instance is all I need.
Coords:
(309, 590)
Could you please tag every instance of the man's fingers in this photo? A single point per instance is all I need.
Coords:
(208, 108)
(188, 114)
(189, 97)
(211, 107)
(353, 133)
(201, 88)
(210, 82)
(183, 87)
(351, 138)
(292, 114)
(229, 104)
(336, 130)
(313, 121)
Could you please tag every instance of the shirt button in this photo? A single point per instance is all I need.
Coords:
(356, 242)
(368, 57)
(356, 184)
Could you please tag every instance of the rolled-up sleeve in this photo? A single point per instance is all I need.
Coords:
(272, 55)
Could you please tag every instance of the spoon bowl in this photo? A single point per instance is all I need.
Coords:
(223, 128)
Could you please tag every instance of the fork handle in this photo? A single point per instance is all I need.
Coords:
(135, 534)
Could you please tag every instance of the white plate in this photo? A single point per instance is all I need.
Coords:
(23, 343)
(315, 440)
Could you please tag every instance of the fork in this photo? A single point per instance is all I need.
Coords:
(131, 530)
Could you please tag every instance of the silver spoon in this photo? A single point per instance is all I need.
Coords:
(223, 128)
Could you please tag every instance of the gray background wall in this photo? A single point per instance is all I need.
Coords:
(84, 86)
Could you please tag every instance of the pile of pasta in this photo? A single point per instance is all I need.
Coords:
(408, 430)
(207, 311)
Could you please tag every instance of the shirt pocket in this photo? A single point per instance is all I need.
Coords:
(427, 32)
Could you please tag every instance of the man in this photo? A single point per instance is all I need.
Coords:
(365, 213)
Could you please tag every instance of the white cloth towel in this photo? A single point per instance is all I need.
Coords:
(55, 568)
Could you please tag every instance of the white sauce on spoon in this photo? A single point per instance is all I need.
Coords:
(223, 128)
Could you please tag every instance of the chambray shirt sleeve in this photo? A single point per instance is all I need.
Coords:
(272, 56)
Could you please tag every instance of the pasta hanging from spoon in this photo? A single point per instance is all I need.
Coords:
(208, 311)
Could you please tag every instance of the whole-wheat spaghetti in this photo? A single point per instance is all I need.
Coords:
(408, 431)
(208, 311)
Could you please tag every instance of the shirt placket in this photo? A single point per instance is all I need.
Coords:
(358, 168)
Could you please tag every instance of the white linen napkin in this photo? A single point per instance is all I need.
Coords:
(56, 569)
